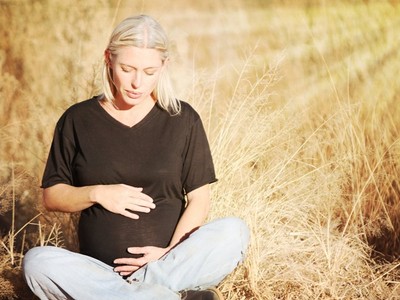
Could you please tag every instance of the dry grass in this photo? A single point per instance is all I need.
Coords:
(300, 101)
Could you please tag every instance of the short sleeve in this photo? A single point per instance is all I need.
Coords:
(59, 163)
(198, 167)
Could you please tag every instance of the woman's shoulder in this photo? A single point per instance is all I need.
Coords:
(79, 110)
(83, 105)
(187, 110)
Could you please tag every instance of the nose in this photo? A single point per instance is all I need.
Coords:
(136, 80)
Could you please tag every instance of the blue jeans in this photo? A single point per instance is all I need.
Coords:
(202, 260)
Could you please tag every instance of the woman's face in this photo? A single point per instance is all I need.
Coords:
(135, 74)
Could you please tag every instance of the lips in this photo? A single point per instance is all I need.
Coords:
(133, 95)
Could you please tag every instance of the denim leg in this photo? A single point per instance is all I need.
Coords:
(56, 273)
(202, 260)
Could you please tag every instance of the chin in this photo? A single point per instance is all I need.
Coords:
(131, 104)
(127, 101)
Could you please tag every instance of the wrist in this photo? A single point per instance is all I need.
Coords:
(94, 194)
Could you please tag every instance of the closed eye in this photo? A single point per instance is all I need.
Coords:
(148, 71)
(126, 70)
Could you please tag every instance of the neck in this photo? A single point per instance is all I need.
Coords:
(129, 115)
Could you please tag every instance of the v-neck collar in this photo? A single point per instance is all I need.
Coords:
(149, 116)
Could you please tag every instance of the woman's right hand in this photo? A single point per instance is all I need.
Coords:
(123, 199)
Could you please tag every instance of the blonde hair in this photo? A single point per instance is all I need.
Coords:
(144, 32)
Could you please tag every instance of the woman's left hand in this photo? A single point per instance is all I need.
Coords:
(130, 265)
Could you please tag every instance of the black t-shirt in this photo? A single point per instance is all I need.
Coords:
(166, 155)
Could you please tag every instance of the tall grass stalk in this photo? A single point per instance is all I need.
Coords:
(12, 234)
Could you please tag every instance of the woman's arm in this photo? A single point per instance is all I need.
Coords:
(195, 213)
(66, 198)
(117, 198)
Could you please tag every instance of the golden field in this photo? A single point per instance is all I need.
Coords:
(300, 100)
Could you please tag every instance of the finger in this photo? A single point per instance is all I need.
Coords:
(126, 263)
(129, 214)
(135, 207)
(137, 192)
(126, 269)
(143, 197)
(144, 203)
(138, 250)
(132, 200)
(125, 273)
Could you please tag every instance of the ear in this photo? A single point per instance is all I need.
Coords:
(107, 58)
(166, 61)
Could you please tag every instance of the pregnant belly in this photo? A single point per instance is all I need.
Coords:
(106, 236)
